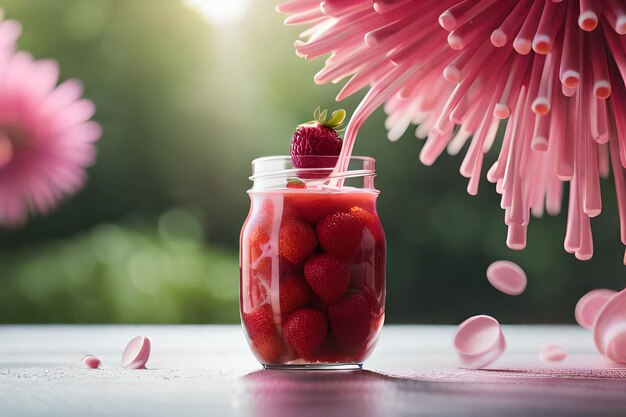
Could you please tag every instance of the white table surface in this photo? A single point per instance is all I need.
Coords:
(208, 371)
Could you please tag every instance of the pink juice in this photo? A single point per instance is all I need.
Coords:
(312, 282)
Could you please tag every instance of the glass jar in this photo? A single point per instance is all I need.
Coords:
(312, 264)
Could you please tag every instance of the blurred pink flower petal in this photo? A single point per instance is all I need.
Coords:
(457, 68)
(10, 30)
(46, 138)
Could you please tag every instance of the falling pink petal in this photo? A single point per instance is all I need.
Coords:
(91, 362)
(589, 306)
(457, 69)
(137, 353)
(479, 341)
(507, 277)
(609, 329)
(552, 353)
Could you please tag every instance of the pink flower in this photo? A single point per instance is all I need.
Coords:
(9, 32)
(457, 69)
(46, 138)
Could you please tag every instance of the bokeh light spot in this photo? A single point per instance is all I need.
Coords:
(217, 12)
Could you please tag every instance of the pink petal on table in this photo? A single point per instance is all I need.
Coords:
(609, 329)
(91, 361)
(479, 341)
(136, 353)
(552, 353)
(589, 306)
(507, 277)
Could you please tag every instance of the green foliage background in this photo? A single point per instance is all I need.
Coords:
(185, 106)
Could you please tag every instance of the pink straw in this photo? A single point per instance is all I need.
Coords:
(523, 42)
(615, 13)
(551, 20)
(511, 24)
(589, 12)
(570, 72)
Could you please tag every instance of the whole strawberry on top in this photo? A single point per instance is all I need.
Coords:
(316, 144)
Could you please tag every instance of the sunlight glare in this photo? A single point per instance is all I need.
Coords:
(219, 12)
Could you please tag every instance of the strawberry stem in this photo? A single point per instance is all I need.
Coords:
(336, 119)
(334, 122)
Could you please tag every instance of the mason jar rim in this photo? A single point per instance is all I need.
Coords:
(275, 157)
(293, 172)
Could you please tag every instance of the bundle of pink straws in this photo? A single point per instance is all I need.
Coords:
(455, 69)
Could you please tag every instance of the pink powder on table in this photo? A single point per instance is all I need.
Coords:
(552, 353)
